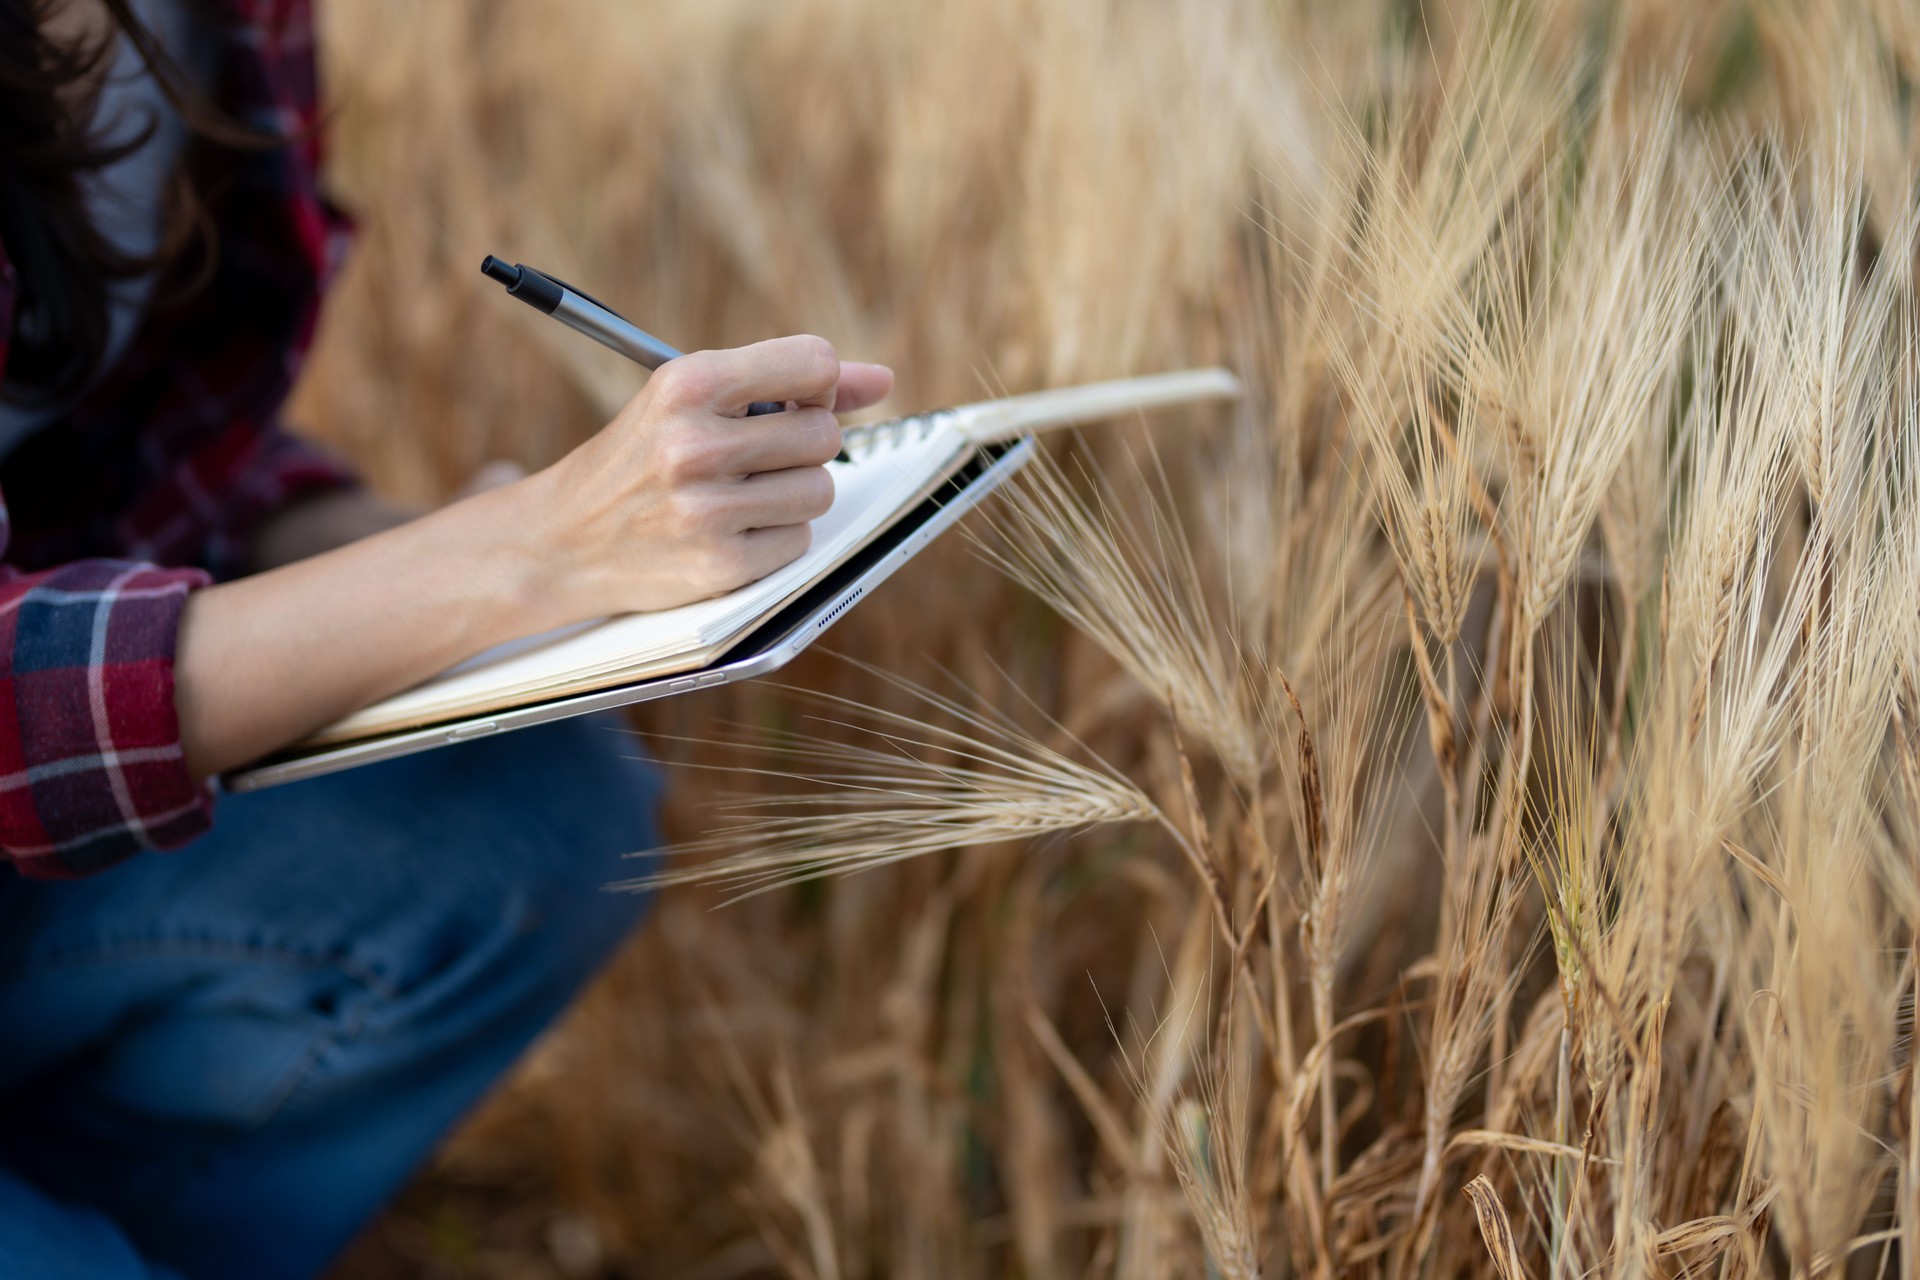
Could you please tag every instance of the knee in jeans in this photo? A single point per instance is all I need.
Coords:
(422, 865)
(540, 825)
(575, 793)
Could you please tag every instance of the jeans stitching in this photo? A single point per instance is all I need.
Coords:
(337, 1032)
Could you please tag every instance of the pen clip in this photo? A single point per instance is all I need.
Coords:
(576, 291)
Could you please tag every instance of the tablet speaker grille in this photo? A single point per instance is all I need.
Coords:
(838, 609)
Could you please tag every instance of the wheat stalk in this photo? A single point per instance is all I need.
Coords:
(901, 788)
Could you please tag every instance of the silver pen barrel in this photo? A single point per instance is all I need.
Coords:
(608, 329)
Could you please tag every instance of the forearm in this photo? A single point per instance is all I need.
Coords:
(265, 660)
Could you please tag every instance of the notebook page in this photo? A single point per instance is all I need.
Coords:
(869, 492)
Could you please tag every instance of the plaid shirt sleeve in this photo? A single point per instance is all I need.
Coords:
(155, 484)
(91, 768)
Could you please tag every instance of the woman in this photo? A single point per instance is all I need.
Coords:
(218, 1061)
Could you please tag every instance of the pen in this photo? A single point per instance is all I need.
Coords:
(584, 314)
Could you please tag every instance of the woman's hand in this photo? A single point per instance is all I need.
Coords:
(682, 496)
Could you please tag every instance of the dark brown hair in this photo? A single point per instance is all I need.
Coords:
(49, 89)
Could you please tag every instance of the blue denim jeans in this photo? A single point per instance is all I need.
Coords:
(220, 1062)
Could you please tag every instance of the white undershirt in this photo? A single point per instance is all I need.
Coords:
(125, 199)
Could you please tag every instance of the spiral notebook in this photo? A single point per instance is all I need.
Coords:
(891, 468)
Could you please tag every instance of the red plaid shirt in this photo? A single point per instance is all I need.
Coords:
(154, 485)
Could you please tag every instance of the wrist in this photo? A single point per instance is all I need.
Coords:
(507, 531)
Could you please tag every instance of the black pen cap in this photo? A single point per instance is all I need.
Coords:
(531, 287)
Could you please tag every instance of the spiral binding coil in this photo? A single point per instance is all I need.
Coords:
(860, 441)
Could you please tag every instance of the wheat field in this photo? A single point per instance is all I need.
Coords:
(1455, 813)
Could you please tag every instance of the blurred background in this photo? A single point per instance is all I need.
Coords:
(911, 1072)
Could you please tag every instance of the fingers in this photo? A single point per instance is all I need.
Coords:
(862, 385)
(777, 441)
(775, 498)
(765, 550)
(803, 369)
